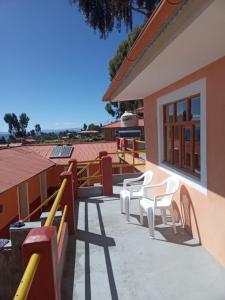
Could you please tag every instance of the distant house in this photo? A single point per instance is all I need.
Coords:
(111, 130)
(89, 133)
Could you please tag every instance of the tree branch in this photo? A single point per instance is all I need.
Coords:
(139, 10)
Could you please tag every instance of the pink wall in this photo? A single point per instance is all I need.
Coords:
(203, 214)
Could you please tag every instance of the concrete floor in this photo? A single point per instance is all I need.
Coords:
(113, 259)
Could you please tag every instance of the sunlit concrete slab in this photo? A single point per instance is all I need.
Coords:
(117, 260)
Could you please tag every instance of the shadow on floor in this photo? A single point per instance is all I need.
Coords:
(100, 240)
(89, 238)
(183, 237)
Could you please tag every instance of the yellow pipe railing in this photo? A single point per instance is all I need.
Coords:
(28, 276)
(55, 205)
(70, 167)
(45, 202)
(61, 223)
(89, 162)
(141, 142)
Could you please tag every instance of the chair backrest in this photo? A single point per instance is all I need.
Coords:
(148, 177)
(172, 184)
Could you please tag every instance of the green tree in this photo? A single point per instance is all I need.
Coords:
(105, 15)
(13, 124)
(32, 133)
(23, 122)
(8, 120)
(85, 127)
(114, 64)
(94, 127)
(37, 129)
(122, 51)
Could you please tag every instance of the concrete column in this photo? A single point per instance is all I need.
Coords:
(118, 143)
(106, 167)
(46, 283)
(135, 147)
(125, 144)
(100, 155)
(68, 199)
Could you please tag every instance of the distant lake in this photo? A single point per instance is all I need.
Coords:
(4, 134)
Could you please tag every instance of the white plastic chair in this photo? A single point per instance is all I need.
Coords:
(149, 203)
(133, 188)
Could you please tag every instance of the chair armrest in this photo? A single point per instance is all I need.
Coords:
(134, 188)
(132, 180)
(158, 197)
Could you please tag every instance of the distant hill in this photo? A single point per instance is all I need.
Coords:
(60, 130)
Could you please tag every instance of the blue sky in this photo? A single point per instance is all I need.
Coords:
(52, 65)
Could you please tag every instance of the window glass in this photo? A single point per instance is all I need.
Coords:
(182, 111)
(187, 147)
(168, 143)
(197, 166)
(182, 134)
(195, 108)
(169, 113)
(177, 138)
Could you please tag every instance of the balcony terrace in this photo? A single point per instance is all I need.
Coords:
(113, 259)
(94, 253)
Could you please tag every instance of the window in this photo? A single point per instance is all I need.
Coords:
(181, 124)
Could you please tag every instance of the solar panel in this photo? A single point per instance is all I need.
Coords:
(62, 151)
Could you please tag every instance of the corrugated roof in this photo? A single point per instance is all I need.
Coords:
(117, 124)
(82, 151)
(18, 165)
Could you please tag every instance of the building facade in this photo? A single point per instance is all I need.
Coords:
(179, 71)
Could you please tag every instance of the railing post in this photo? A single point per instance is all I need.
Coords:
(118, 144)
(125, 143)
(74, 171)
(68, 199)
(106, 168)
(43, 241)
(135, 148)
(101, 154)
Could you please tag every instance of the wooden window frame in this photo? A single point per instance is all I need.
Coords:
(188, 123)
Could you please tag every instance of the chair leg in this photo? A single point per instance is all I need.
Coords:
(127, 208)
(121, 204)
(163, 212)
(151, 222)
(173, 221)
(141, 215)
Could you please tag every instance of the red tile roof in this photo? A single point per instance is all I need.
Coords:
(82, 151)
(19, 164)
(117, 124)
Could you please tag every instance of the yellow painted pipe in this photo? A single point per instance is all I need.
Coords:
(55, 205)
(61, 223)
(40, 206)
(70, 167)
(28, 276)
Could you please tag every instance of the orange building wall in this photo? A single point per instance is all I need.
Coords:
(53, 179)
(10, 210)
(33, 189)
(202, 214)
(34, 195)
